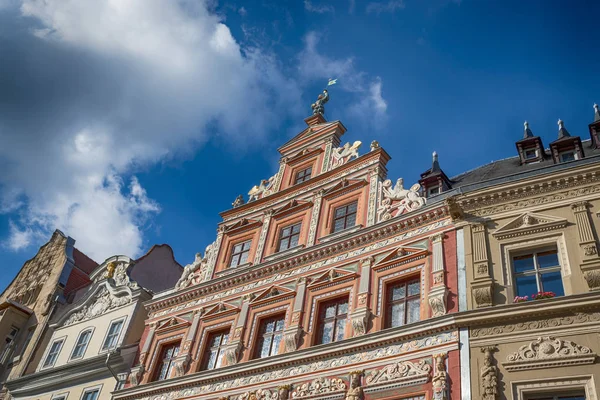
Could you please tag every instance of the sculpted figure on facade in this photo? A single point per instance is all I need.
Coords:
(197, 271)
(355, 392)
(341, 155)
(238, 201)
(395, 200)
(319, 386)
(318, 107)
(440, 377)
(489, 375)
(263, 189)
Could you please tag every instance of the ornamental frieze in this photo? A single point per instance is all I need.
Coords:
(281, 277)
(578, 318)
(319, 387)
(401, 373)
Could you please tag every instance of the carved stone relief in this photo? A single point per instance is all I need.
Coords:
(198, 271)
(403, 373)
(355, 391)
(439, 381)
(489, 375)
(396, 200)
(547, 351)
(319, 386)
(341, 155)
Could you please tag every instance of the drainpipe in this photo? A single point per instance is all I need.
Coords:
(112, 371)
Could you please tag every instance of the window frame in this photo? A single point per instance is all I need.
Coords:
(49, 351)
(160, 360)
(344, 216)
(104, 349)
(72, 356)
(61, 395)
(404, 281)
(261, 335)
(221, 348)
(289, 237)
(234, 254)
(433, 191)
(86, 390)
(321, 306)
(573, 152)
(10, 344)
(534, 251)
(300, 176)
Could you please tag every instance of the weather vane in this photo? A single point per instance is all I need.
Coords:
(318, 106)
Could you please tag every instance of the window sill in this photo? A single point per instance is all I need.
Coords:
(284, 253)
(338, 234)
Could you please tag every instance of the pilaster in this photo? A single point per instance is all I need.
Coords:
(263, 236)
(372, 203)
(291, 334)
(588, 247)
(314, 218)
(279, 176)
(438, 292)
(234, 347)
(327, 155)
(213, 257)
(361, 314)
(482, 284)
(182, 361)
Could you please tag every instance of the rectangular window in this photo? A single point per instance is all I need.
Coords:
(538, 272)
(344, 217)
(90, 394)
(113, 335)
(81, 345)
(240, 253)
(271, 332)
(167, 358)
(530, 154)
(574, 396)
(332, 321)
(53, 353)
(215, 349)
(302, 176)
(9, 345)
(433, 191)
(403, 303)
(567, 156)
(289, 237)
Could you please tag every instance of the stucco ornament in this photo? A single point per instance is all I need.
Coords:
(265, 188)
(197, 271)
(355, 392)
(489, 375)
(319, 386)
(396, 200)
(341, 155)
(548, 351)
(260, 394)
(440, 377)
(400, 371)
(100, 303)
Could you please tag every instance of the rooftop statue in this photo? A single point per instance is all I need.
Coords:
(318, 106)
(342, 155)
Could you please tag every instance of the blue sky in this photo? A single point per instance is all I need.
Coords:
(136, 125)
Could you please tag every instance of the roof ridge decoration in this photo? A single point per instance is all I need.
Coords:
(528, 223)
(548, 351)
(562, 131)
(341, 155)
(396, 200)
(198, 270)
(265, 188)
(527, 133)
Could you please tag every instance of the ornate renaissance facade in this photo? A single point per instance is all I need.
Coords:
(331, 281)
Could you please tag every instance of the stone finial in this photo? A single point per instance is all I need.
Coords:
(526, 131)
(374, 145)
(435, 165)
(238, 201)
(562, 131)
(596, 113)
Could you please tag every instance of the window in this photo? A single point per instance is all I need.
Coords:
(61, 397)
(215, 350)
(538, 272)
(81, 345)
(9, 344)
(167, 358)
(240, 253)
(289, 237)
(403, 303)
(53, 353)
(113, 335)
(573, 396)
(567, 156)
(271, 332)
(332, 321)
(433, 191)
(90, 394)
(344, 217)
(530, 154)
(302, 176)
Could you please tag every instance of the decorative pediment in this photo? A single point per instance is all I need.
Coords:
(172, 324)
(274, 293)
(242, 225)
(344, 186)
(292, 207)
(319, 387)
(528, 223)
(218, 310)
(404, 373)
(400, 255)
(333, 276)
(303, 155)
(547, 351)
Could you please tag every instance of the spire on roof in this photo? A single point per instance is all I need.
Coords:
(562, 131)
(596, 113)
(435, 166)
(527, 132)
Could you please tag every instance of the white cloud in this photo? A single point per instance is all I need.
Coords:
(319, 8)
(383, 7)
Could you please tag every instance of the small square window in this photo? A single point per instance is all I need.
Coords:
(90, 394)
(538, 272)
(344, 217)
(113, 335)
(289, 237)
(240, 254)
(302, 176)
(433, 191)
(567, 156)
(530, 154)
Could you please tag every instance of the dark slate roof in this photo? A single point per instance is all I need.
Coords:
(510, 169)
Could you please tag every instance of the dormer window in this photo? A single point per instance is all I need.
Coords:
(303, 175)
(433, 191)
(530, 148)
(531, 154)
(567, 156)
(566, 148)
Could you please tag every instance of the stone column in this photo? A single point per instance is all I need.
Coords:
(481, 286)
(182, 361)
(314, 217)
(588, 247)
(291, 333)
(234, 346)
(327, 155)
(372, 203)
(361, 314)
(263, 236)
(438, 292)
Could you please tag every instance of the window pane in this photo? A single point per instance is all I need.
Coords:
(276, 342)
(397, 317)
(339, 225)
(244, 258)
(413, 311)
(280, 323)
(286, 231)
(212, 359)
(270, 326)
(351, 221)
(330, 311)
(246, 245)
(342, 308)
(523, 263)
(327, 332)
(413, 288)
(398, 292)
(548, 259)
(552, 282)
(266, 347)
(296, 228)
(352, 207)
(340, 211)
(341, 325)
(526, 285)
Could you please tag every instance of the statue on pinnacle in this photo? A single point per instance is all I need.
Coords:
(318, 106)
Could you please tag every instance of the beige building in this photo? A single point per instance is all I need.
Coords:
(48, 280)
(532, 270)
(91, 344)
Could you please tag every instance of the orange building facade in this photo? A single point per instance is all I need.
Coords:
(331, 282)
